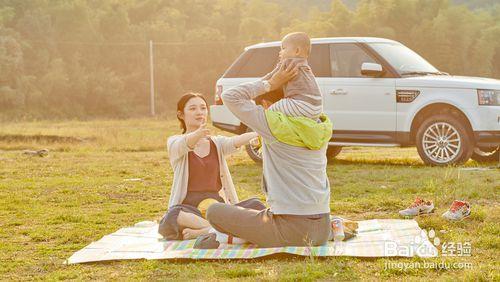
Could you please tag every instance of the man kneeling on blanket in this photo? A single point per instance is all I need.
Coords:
(294, 174)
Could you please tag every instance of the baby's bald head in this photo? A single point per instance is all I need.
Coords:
(298, 43)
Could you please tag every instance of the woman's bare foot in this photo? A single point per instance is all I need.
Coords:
(188, 233)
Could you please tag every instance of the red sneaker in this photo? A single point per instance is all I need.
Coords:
(458, 210)
(418, 207)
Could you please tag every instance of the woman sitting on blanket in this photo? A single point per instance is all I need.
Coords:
(201, 175)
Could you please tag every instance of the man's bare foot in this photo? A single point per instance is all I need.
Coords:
(188, 233)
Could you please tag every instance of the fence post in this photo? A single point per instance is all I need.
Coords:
(152, 80)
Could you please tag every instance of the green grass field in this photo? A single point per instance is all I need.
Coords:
(51, 207)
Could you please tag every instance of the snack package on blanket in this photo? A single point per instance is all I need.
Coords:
(203, 206)
(350, 224)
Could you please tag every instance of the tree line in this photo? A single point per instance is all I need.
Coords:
(85, 58)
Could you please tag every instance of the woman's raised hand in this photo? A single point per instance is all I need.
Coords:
(195, 136)
(202, 132)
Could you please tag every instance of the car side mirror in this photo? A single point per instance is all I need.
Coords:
(372, 69)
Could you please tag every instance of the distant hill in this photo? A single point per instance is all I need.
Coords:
(477, 4)
(324, 5)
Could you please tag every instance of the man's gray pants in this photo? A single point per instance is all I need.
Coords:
(266, 229)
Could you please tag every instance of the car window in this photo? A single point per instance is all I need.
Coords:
(346, 59)
(319, 60)
(260, 61)
(254, 63)
(402, 58)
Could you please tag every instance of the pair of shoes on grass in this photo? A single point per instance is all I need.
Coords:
(457, 211)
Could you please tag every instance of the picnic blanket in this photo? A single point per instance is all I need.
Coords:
(376, 238)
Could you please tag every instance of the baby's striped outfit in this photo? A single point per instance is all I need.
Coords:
(302, 95)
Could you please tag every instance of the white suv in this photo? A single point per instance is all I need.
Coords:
(378, 92)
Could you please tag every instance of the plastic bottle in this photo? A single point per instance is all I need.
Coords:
(338, 229)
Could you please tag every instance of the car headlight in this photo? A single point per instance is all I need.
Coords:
(488, 97)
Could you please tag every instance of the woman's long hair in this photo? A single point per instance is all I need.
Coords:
(182, 103)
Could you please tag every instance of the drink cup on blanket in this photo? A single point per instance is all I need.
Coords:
(338, 229)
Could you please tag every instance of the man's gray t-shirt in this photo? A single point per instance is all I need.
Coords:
(294, 178)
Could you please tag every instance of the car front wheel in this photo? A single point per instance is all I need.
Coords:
(443, 139)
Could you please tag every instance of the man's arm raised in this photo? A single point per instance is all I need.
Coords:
(239, 100)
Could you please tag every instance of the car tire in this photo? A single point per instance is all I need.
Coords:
(485, 155)
(332, 152)
(253, 152)
(443, 140)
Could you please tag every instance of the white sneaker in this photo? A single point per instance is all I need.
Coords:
(458, 210)
(418, 207)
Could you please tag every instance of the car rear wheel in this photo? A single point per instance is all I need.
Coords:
(254, 151)
(443, 139)
(483, 155)
(332, 152)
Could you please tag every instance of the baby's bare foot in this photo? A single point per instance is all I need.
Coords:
(188, 233)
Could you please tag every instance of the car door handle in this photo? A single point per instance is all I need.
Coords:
(338, 92)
